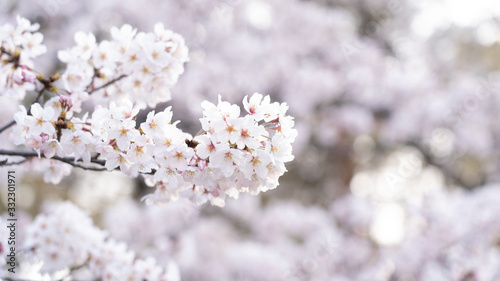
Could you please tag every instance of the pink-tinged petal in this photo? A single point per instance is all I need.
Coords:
(29, 76)
(192, 162)
(17, 77)
(202, 164)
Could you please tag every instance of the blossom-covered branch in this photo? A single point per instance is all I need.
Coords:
(232, 154)
(32, 154)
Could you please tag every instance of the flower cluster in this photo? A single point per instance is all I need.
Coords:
(231, 154)
(335, 242)
(19, 45)
(66, 239)
(136, 66)
(52, 237)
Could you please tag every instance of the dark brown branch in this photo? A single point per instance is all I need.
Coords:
(14, 58)
(3, 51)
(68, 160)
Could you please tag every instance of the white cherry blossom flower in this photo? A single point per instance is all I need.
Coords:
(41, 120)
(280, 149)
(123, 132)
(116, 159)
(155, 123)
(85, 44)
(32, 45)
(52, 147)
(250, 134)
(256, 106)
(105, 55)
(227, 160)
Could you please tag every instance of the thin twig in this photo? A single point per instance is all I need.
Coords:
(107, 84)
(3, 51)
(5, 163)
(200, 132)
(6, 126)
(72, 162)
(40, 94)
(68, 160)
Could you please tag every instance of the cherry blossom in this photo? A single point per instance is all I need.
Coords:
(19, 45)
(365, 81)
(65, 238)
(231, 154)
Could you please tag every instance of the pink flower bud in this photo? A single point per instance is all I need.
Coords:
(22, 75)
(70, 102)
(192, 162)
(202, 164)
(66, 102)
(29, 76)
(44, 137)
(18, 77)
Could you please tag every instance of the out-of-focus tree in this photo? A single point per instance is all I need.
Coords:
(397, 152)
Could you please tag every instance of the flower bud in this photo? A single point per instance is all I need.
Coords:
(192, 162)
(202, 164)
(18, 77)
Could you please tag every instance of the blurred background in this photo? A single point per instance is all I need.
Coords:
(398, 156)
